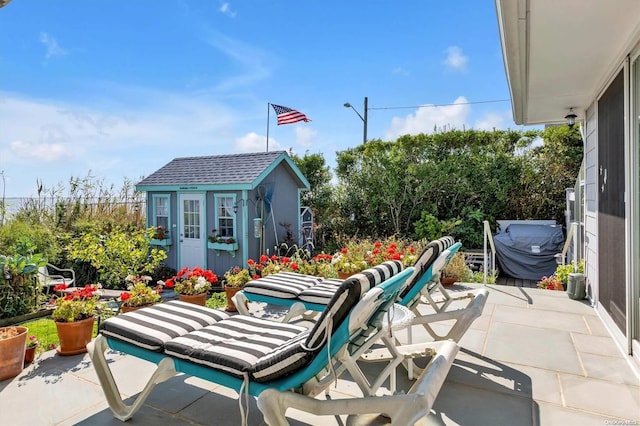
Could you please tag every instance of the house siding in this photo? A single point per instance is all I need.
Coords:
(591, 203)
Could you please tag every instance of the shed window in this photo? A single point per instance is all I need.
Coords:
(225, 216)
(160, 214)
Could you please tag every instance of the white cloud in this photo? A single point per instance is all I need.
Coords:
(226, 10)
(455, 59)
(429, 117)
(492, 120)
(131, 137)
(40, 152)
(53, 48)
(251, 60)
(253, 142)
(306, 136)
(400, 71)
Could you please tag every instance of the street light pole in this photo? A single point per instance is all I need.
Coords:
(364, 119)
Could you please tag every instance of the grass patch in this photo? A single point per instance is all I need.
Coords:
(45, 331)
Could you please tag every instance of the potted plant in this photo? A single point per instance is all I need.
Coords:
(218, 243)
(454, 270)
(12, 344)
(74, 316)
(551, 283)
(349, 261)
(192, 285)
(139, 294)
(160, 236)
(30, 349)
(234, 279)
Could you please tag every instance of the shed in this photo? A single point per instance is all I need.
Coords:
(218, 211)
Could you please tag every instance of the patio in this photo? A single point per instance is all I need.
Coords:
(535, 357)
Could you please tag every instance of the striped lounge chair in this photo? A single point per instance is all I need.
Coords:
(303, 293)
(268, 359)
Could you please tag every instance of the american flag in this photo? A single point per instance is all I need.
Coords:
(287, 115)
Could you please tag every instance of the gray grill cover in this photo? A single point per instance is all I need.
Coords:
(527, 251)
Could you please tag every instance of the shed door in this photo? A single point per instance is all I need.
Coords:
(192, 235)
(611, 215)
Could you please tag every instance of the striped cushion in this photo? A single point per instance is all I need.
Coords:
(321, 293)
(244, 344)
(426, 259)
(346, 296)
(283, 285)
(152, 327)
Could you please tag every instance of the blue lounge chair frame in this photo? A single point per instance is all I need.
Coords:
(367, 314)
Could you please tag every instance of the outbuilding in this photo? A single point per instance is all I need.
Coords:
(218, 211)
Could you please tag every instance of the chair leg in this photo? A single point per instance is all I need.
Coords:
(404, 409)
(122, 411)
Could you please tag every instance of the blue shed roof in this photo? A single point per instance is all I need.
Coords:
(233, 171)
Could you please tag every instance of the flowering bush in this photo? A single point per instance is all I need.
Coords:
(32, 341)
(359, 255)
(319, 265)
(78, 305)
(550, 283)
(237, 277)
(139, 293)
(215, 238)
(191, 281)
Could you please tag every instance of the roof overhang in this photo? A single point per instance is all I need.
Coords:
(560, 54)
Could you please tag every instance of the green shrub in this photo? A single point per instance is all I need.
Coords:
(117, 254)
(24, 238)
(563, 271)
(217, 301)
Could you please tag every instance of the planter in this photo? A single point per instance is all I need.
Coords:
(164, 242)
(228, 247)
(74, 336)
(125, 309)
(345, 275)
(29, 354)
(196, 299)
(12, 354)
(230, 292)
(448, 281)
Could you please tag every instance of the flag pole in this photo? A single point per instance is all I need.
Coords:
(268, 105)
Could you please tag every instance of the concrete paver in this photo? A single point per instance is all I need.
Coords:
(535, 357)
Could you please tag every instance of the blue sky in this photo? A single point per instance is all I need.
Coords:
(119, 88)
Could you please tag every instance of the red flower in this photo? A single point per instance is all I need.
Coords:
(251, 262)
(60, 287)
(344, 250)
(377, 244)
(294, 266)
(125, 296)
(264, 258)
(169, 283)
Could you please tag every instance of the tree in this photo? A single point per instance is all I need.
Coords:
(319, 197)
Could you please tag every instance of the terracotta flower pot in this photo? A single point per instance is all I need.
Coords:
(74, 336)
(124, 309)
(230, 292)
(196, 299)
(448, 281)
(12, 354)
(29, 354)
(344, 275)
